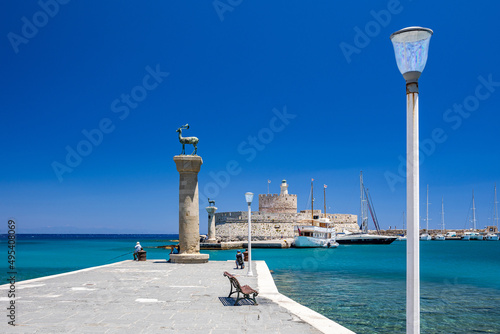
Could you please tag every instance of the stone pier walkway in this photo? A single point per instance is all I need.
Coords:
(155, 297)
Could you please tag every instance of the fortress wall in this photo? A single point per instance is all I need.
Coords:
(260, 231)
(275, 203)
(233, 225)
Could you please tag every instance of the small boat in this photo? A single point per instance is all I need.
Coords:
(440, 236)
(403, 237)
(491, 237)
(473, 235)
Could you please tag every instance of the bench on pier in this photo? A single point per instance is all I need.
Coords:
(245, 290)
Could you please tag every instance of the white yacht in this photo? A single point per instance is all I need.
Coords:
(347, 237)
(491, 237)
(473, 236)
(321, 232)
(308, 236)
(425, 237)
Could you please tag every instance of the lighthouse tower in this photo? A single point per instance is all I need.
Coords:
(284, 188)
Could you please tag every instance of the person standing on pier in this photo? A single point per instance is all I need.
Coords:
(239, 260)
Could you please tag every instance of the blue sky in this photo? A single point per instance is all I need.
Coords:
(274, 90)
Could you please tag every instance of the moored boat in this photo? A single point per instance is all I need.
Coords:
(491, 237)
(364, 238)
(309, 236)
(425, 236)
(321, 232)
(440, 236)
(473, 235)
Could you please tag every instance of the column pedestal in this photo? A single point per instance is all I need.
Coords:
(211, 223)
(188, 167)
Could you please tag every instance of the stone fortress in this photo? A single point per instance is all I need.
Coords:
(275, 219)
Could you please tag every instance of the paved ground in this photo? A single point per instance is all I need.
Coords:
(147, 297)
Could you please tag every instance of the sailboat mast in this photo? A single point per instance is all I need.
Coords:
(427, 214)
(361, 199)
(324, 197)
(495, 209)
(312, 201)
(404, 214)
(473, 212)
(442, 214)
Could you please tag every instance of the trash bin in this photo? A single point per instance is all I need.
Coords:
(141, 256)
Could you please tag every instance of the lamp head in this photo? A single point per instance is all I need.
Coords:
(411, 46)
(249, 198)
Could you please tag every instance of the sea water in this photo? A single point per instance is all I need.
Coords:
(361, 287)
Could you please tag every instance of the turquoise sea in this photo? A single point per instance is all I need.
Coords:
(359, 286)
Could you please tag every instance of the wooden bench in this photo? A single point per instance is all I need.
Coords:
(245, 289)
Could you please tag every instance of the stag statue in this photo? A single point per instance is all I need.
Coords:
(187, 140)
(211, 203)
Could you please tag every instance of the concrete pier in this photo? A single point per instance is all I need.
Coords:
(155, 297)
(188, 167)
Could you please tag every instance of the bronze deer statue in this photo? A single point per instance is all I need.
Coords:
(187, 140)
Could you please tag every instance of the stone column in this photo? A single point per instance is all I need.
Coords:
(211, 223)
(188, 167)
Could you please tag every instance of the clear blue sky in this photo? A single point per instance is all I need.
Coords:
(274, 90)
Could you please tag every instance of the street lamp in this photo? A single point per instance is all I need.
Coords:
(249, 198)
(411, 46)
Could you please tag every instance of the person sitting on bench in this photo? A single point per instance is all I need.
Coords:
(239, 261)
(137, 249)
(174, 250)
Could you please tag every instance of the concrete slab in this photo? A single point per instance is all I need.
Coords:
(156, 296)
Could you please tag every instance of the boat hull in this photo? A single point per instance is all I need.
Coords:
(364, 239)
(311, 242)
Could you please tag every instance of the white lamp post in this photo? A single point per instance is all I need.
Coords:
(411, 46)
(249, 199)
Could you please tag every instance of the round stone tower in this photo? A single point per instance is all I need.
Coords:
(282, 203)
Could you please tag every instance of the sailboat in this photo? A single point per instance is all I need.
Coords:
(363, 237)
(425, 236)
(321, 232)
(440, 236)
(493, 236)
(403, 237)
(473, 235)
